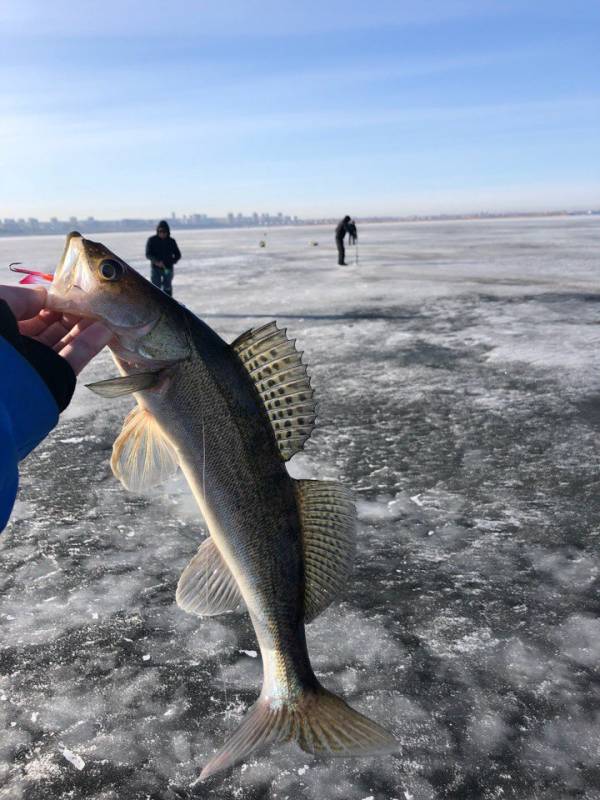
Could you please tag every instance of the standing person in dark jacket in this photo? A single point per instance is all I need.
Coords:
(41, 352)
(345, 226)
(352, 232)
(163, 253)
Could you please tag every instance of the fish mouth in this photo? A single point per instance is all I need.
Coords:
(73, 280)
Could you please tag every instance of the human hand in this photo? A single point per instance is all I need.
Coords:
(76, 340)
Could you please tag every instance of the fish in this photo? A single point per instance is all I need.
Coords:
(230, 416)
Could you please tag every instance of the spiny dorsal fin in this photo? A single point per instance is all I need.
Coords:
(328, 522)
(206, 586)
(278, 373)
(142, 458)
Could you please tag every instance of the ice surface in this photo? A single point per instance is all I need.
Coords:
(458, 372)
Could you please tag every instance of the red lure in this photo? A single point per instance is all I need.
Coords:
(32, 275)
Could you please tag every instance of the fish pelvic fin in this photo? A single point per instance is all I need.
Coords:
(142, 458)
(317, 720)
(125, 384)
(328, 524)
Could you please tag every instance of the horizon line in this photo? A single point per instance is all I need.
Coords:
(31, 226)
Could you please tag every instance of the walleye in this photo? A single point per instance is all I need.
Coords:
(230, 416)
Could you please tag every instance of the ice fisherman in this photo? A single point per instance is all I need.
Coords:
(345, 226)
(163, 253)
(41, 353)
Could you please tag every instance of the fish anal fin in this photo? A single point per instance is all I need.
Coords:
(276, 368)
(317, 720)
(125, 384)
(206, 586)
(328, 524)
(142, 457)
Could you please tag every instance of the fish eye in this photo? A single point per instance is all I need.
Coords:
(111, 270)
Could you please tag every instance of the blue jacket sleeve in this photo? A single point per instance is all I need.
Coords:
(28, 412)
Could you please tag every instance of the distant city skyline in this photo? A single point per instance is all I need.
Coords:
(421, 107)
(32, 226)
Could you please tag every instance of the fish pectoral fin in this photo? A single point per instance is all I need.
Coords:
(328, 524)
(276, 367)
(317, 720)
(142, 457)
(206, 586)
(126, 384)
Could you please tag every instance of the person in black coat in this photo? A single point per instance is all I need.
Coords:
(352, 232)
(163, 253)
(345, 226)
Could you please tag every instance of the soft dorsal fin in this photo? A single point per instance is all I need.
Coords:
(328, 523)
(142, 458)
(206, 586)
(278, 373)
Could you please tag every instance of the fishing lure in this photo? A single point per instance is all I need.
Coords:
(32, 276)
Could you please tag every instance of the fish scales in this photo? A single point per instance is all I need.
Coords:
(215, 418)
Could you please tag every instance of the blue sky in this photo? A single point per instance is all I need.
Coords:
(137, 108)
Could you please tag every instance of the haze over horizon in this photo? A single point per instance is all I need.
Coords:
(138, 109)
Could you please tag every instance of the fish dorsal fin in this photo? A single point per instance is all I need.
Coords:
(142, 458)
(206, 586)
(278, 373)
(328, 522)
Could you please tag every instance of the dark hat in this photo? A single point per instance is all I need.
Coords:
(163, 225)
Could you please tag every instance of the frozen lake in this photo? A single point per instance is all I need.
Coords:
(457, 367)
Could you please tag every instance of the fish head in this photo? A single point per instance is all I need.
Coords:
(92, 282)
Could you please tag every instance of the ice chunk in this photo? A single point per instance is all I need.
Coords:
(73, 758)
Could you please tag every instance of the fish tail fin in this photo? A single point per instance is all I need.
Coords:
(317, 720)
(262, 725)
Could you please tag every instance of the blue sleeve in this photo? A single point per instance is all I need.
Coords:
(28, 412)
(9, 474)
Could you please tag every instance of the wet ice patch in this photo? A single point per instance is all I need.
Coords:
(211, 638)
(456, 636)
(245, 673)
(488, 733)
(31, 617)
(342, 637)
(570, 569)
(383, 508)
(579, 639)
